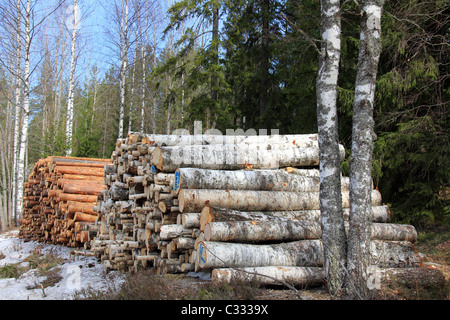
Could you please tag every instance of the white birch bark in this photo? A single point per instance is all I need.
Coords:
(363, 136)
(275, 180)
(213, 214)
(271, 275)
(291, 230)
(302, 253)
(26, 110)
(330, 184)
(123, 63)
(70, 111)
(275, 141)
(194, 200)
(17, 115)
(133, 76)
(233, 157)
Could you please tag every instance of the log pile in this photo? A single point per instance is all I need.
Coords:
(59, 200)
(196, 203)
(236, 206)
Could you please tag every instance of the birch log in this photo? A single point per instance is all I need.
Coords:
(312, 276)
(233, 157)
(303, 253)
(262, 231)
(291, 230)
(212, 214)
(193, 200)
(213, 254)
(272, 275)
(274, 180)
(303, 140)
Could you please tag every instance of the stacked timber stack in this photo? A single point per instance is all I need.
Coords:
(217, 203)
(135, 208)
(267, 220)
(124, 206)
(64, 191)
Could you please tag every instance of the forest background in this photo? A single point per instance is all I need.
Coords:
(109, 67)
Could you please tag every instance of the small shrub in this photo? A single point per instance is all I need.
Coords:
(13, 270)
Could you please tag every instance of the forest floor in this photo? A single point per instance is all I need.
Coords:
(36, 271)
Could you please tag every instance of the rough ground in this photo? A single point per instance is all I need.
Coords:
(36, 271)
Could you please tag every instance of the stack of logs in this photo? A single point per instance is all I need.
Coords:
(59, 200)
(223, 203)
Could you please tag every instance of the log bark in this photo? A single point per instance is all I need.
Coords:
(170, 231)
(292, 230)
(190, 220)
(272, 275)
(90, 189)
(224, 254)
(212, 214)
(303, 253)
(233, 157)
(205, 139)
(76, 197)
(270, 180)
(417, 278)
(80, 216)
(87, 171)
(193, 200)
(262, 231)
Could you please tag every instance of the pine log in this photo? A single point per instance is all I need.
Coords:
(90, 189)
(214, 214)
(233, 157)
(81, 177)
(193, 200)
(272, 275)
(80, 216)
(289, 230)
(85, 207)
(269, 180)
(77, 197)
(80, 170)
(303, 253)
(62, 182)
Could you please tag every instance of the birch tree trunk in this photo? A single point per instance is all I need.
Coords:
(70, 112)
(26, 110)
(123, 63)
(17, 115)
(363, 136)
(329, 162)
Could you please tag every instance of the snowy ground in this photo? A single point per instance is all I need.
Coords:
(77, 272)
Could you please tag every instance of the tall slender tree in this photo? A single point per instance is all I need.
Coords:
(363, 137)
(70, 111)
(333, 232)
(21, 163)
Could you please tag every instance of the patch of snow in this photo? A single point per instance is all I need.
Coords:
(77, 272)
